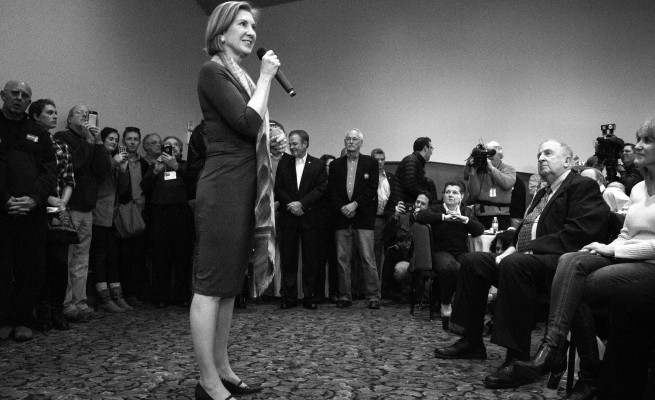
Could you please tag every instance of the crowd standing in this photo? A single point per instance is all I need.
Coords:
(346, 213)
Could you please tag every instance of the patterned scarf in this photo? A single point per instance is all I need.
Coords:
(264, 245)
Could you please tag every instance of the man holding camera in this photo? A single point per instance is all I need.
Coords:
(630, 174)
(490, 183)
(91, 162)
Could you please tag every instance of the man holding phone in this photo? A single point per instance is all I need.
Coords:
(91, 162)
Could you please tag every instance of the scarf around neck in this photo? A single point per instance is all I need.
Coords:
(264, 244)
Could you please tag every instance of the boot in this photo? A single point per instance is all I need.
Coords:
(117, 296)
(106, 303)
(548, 358)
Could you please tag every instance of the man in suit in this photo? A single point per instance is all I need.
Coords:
(385, 189)
(353, 185)
(300, 185)
(564, 216)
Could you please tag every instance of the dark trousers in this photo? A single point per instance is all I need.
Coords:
(447, 267)
(22, 266)
(103, 255)
(132, 265)
(171, 249)
(309, 240)
(56, 276)
(389, 283)
(327, 253)
(520, 278)
(631, 343)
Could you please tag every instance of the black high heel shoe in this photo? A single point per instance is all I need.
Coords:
(555, 376)
(201, 394)
(238, 389)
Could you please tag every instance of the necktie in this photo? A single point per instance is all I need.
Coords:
(525, 234)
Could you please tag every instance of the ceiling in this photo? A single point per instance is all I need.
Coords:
(209, 5)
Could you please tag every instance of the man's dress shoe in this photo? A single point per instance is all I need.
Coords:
(310, 305)
(582, 391)
(374, 305)
(285, 305)
(505, 377)
(461, 349)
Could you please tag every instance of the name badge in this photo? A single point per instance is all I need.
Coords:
(32, 138)
(365, 176)
(492, 192)
(170, 175)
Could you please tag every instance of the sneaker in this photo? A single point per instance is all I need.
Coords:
(76, 316)
(91, 314)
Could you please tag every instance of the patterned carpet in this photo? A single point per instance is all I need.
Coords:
(330, 353)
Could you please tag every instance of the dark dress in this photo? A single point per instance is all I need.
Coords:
(225, 198)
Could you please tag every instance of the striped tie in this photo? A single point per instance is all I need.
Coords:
(525, 234)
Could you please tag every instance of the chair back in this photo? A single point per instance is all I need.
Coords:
(422, 255)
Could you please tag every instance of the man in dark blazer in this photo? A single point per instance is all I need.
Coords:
(353, 186)
(564, 216)
(300, 185)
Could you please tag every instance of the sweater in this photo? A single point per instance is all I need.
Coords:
(637, 238)
(163, 192)
(450, 236)
(91, 164)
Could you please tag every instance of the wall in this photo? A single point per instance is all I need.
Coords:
(456, 71)
(135, 62)
(515, 71)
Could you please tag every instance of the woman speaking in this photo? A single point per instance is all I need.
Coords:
(234, 189)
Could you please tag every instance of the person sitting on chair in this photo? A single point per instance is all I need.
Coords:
(451, 223)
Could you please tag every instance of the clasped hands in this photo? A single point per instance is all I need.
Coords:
(20, 205)
(349, 210)
(295, 208)
(454, 216)
(598, 248)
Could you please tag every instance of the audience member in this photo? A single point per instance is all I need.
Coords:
(596, 175)
(51, 310)
(398, 240)
(131, 252)
(103, 255)
(300, 186)
(91, 162)
(588, 278)
(385, 186)
(329, 247)
(490, 188)
(615, 197)
(410, 174)
(151, 147)
(170, 226)
(27, 177)
(563, 216)
(353, 187)
(630, 173)
(517, 203)
(452, 223)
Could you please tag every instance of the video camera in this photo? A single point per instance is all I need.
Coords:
(480, 155)
(608, 150)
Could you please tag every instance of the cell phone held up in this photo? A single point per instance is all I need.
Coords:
(122, 149)
(93, 118)
(168, 149)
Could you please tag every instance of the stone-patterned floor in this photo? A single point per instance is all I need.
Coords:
(331, 353)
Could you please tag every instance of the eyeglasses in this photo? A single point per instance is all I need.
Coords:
(352, 140)
(19, 94)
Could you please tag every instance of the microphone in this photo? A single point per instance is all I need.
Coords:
(286, 85)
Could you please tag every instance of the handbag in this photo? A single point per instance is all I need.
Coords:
(128, 221)
(61, 228)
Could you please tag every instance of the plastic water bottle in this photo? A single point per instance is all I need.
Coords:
(494, 225)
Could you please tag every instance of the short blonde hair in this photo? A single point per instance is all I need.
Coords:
(220, 20)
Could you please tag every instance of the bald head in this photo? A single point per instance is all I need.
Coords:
(16, 97)
(495, 160)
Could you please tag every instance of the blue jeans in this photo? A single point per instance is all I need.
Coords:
(363, 239)
(78, 263)
(590, 278)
